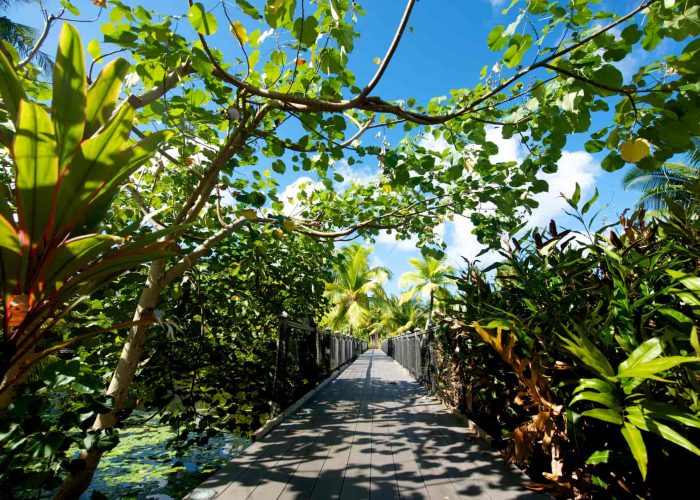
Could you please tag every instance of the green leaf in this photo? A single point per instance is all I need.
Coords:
(495, 40)
(93, 49)
(599, 457)
(11, 89)
(11, 268)
(201, 20)
(587, 206)
(576, 197)
(608, 75)
(637, 447)
(37, 170)
(249, 9)
(102, 439)
(581, 347)
(651, 349)
(519, 44)
(605, 415)
(69, 94)
(74, 255)
(604, 398)
(91, 168)
(694, 342)
(675, 316)
(279, 12)
(612, 162)
(125, 164)
(60, 373)
(669, 412)
(649, 369)
(70, 7)
(637, 416)
(306, 30)
(103, 94)
(596, 384)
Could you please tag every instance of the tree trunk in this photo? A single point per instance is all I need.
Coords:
(12, 379)
(430, 309)
(76, 483)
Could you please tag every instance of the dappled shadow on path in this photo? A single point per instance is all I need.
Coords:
(370, 433)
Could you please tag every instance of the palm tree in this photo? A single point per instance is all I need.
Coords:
(391, 316)
(430, 279)
(353, 285)
(22, 37)
(675, 182)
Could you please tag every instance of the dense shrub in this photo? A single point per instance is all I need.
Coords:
(582, 353)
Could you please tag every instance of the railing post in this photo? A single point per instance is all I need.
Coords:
(280, 379)
(327, 351)
(427, 355)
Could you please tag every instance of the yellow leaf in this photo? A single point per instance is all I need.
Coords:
(635, 150)
(386, 188)
(239, 31)
(377, 60)
(248, 214)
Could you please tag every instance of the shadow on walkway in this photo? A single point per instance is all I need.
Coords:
(370, 433)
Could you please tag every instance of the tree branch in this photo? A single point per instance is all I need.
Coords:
(389, 53)
(47, 27)
(169, 82)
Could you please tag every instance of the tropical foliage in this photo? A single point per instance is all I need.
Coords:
(430, 280)
(68, 166)
(597, 341)
(353, 286)
(256, 107)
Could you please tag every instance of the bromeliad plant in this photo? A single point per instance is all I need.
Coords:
(68, 163)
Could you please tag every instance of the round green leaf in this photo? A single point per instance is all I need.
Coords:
(305, 30)
(201, 20)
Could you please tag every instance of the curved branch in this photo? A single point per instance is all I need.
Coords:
(47, 27)
(139, 101)
(389, 53)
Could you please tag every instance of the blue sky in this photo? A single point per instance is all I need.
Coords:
(445, 49)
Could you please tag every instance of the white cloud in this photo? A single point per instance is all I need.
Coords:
(395, 244)
(508, 149)
(357, 174)
(574, 167)
(292, 205)
(462, 243)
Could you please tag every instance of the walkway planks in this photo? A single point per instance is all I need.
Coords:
(370, 433)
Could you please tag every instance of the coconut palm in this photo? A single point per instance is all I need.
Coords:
(22, 37)
(391, 316)
(430, 279)
(353, 285)
(675, 182)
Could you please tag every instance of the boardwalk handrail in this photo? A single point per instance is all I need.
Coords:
(414, 351)
(306, 355)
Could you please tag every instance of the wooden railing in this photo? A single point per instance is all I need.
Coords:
(414, 351)
(306, 355)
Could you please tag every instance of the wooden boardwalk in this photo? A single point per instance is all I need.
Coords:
(370, 433)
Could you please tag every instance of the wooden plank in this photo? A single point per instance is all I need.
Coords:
(329, 483)
(370, 433)
(415, 432)
(356, 475)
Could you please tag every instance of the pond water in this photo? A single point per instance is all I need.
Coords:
(142, 467)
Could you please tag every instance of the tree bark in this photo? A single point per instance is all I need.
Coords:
(430, 309)
(76, 483)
